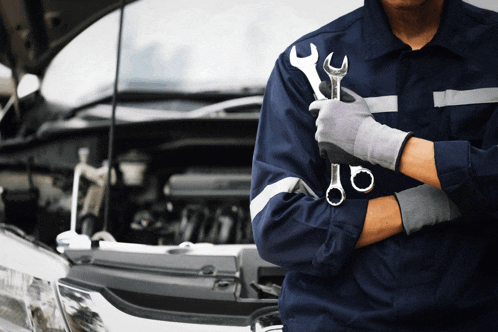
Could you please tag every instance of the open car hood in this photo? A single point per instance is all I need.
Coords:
(34, 31)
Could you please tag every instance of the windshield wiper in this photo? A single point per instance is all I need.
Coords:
(135, 114)
(134, 99)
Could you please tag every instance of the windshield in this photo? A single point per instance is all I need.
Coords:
(185, 46)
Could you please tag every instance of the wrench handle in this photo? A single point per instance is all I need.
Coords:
(335, 84)
(335, 193)
(315, 81)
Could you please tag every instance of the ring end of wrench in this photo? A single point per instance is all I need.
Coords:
(335, 196)
(365, 176)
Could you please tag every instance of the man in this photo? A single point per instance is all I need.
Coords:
(421, 111)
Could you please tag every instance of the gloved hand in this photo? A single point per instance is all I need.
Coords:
(348, 125)
(425, 205)
(335, 154)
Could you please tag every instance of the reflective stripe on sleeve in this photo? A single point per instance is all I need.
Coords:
(287, 185)
(384, 104)
(465, 97)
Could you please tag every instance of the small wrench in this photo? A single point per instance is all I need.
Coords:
(335, 193)
(336, 74)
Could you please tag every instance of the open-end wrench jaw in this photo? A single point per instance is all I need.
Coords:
(335, 74)
(308, 66)
(307, 61)
(336, 71)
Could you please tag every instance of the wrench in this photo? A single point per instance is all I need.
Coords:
(335, 193)
(308, 66)
(336, 74)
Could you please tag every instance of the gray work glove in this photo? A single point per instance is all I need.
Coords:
(335, 154)
(425, 205)
(348, 125)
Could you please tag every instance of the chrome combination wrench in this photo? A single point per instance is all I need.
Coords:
(335, 193)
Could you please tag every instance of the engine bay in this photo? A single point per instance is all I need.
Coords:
(199, 205)
(173, 182)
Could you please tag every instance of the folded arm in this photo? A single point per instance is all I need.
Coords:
(417, 161)
(383, 217)
(467, 175)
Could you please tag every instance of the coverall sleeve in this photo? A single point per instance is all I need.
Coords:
(469, 174)
(293, 224)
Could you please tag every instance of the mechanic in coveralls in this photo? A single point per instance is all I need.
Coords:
(419, 109)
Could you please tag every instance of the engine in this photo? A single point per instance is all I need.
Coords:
(199, 204)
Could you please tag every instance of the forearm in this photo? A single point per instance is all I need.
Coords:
(417, 162)
(467, 174)
(407, 211)
(383, 219)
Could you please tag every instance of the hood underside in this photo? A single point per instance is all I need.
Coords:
(34, 31)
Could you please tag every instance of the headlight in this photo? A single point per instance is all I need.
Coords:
(28, 302)
(28, 275)
(80, 310)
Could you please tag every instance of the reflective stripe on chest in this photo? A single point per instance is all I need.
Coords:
(465, 97)
(389, 104)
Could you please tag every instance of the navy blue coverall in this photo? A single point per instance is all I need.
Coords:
(442, 278)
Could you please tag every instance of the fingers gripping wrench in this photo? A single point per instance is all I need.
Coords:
(335, 193)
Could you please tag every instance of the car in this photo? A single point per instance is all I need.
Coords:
(168, 244)
(125, 193)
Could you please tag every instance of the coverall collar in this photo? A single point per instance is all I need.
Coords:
(377, 35)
